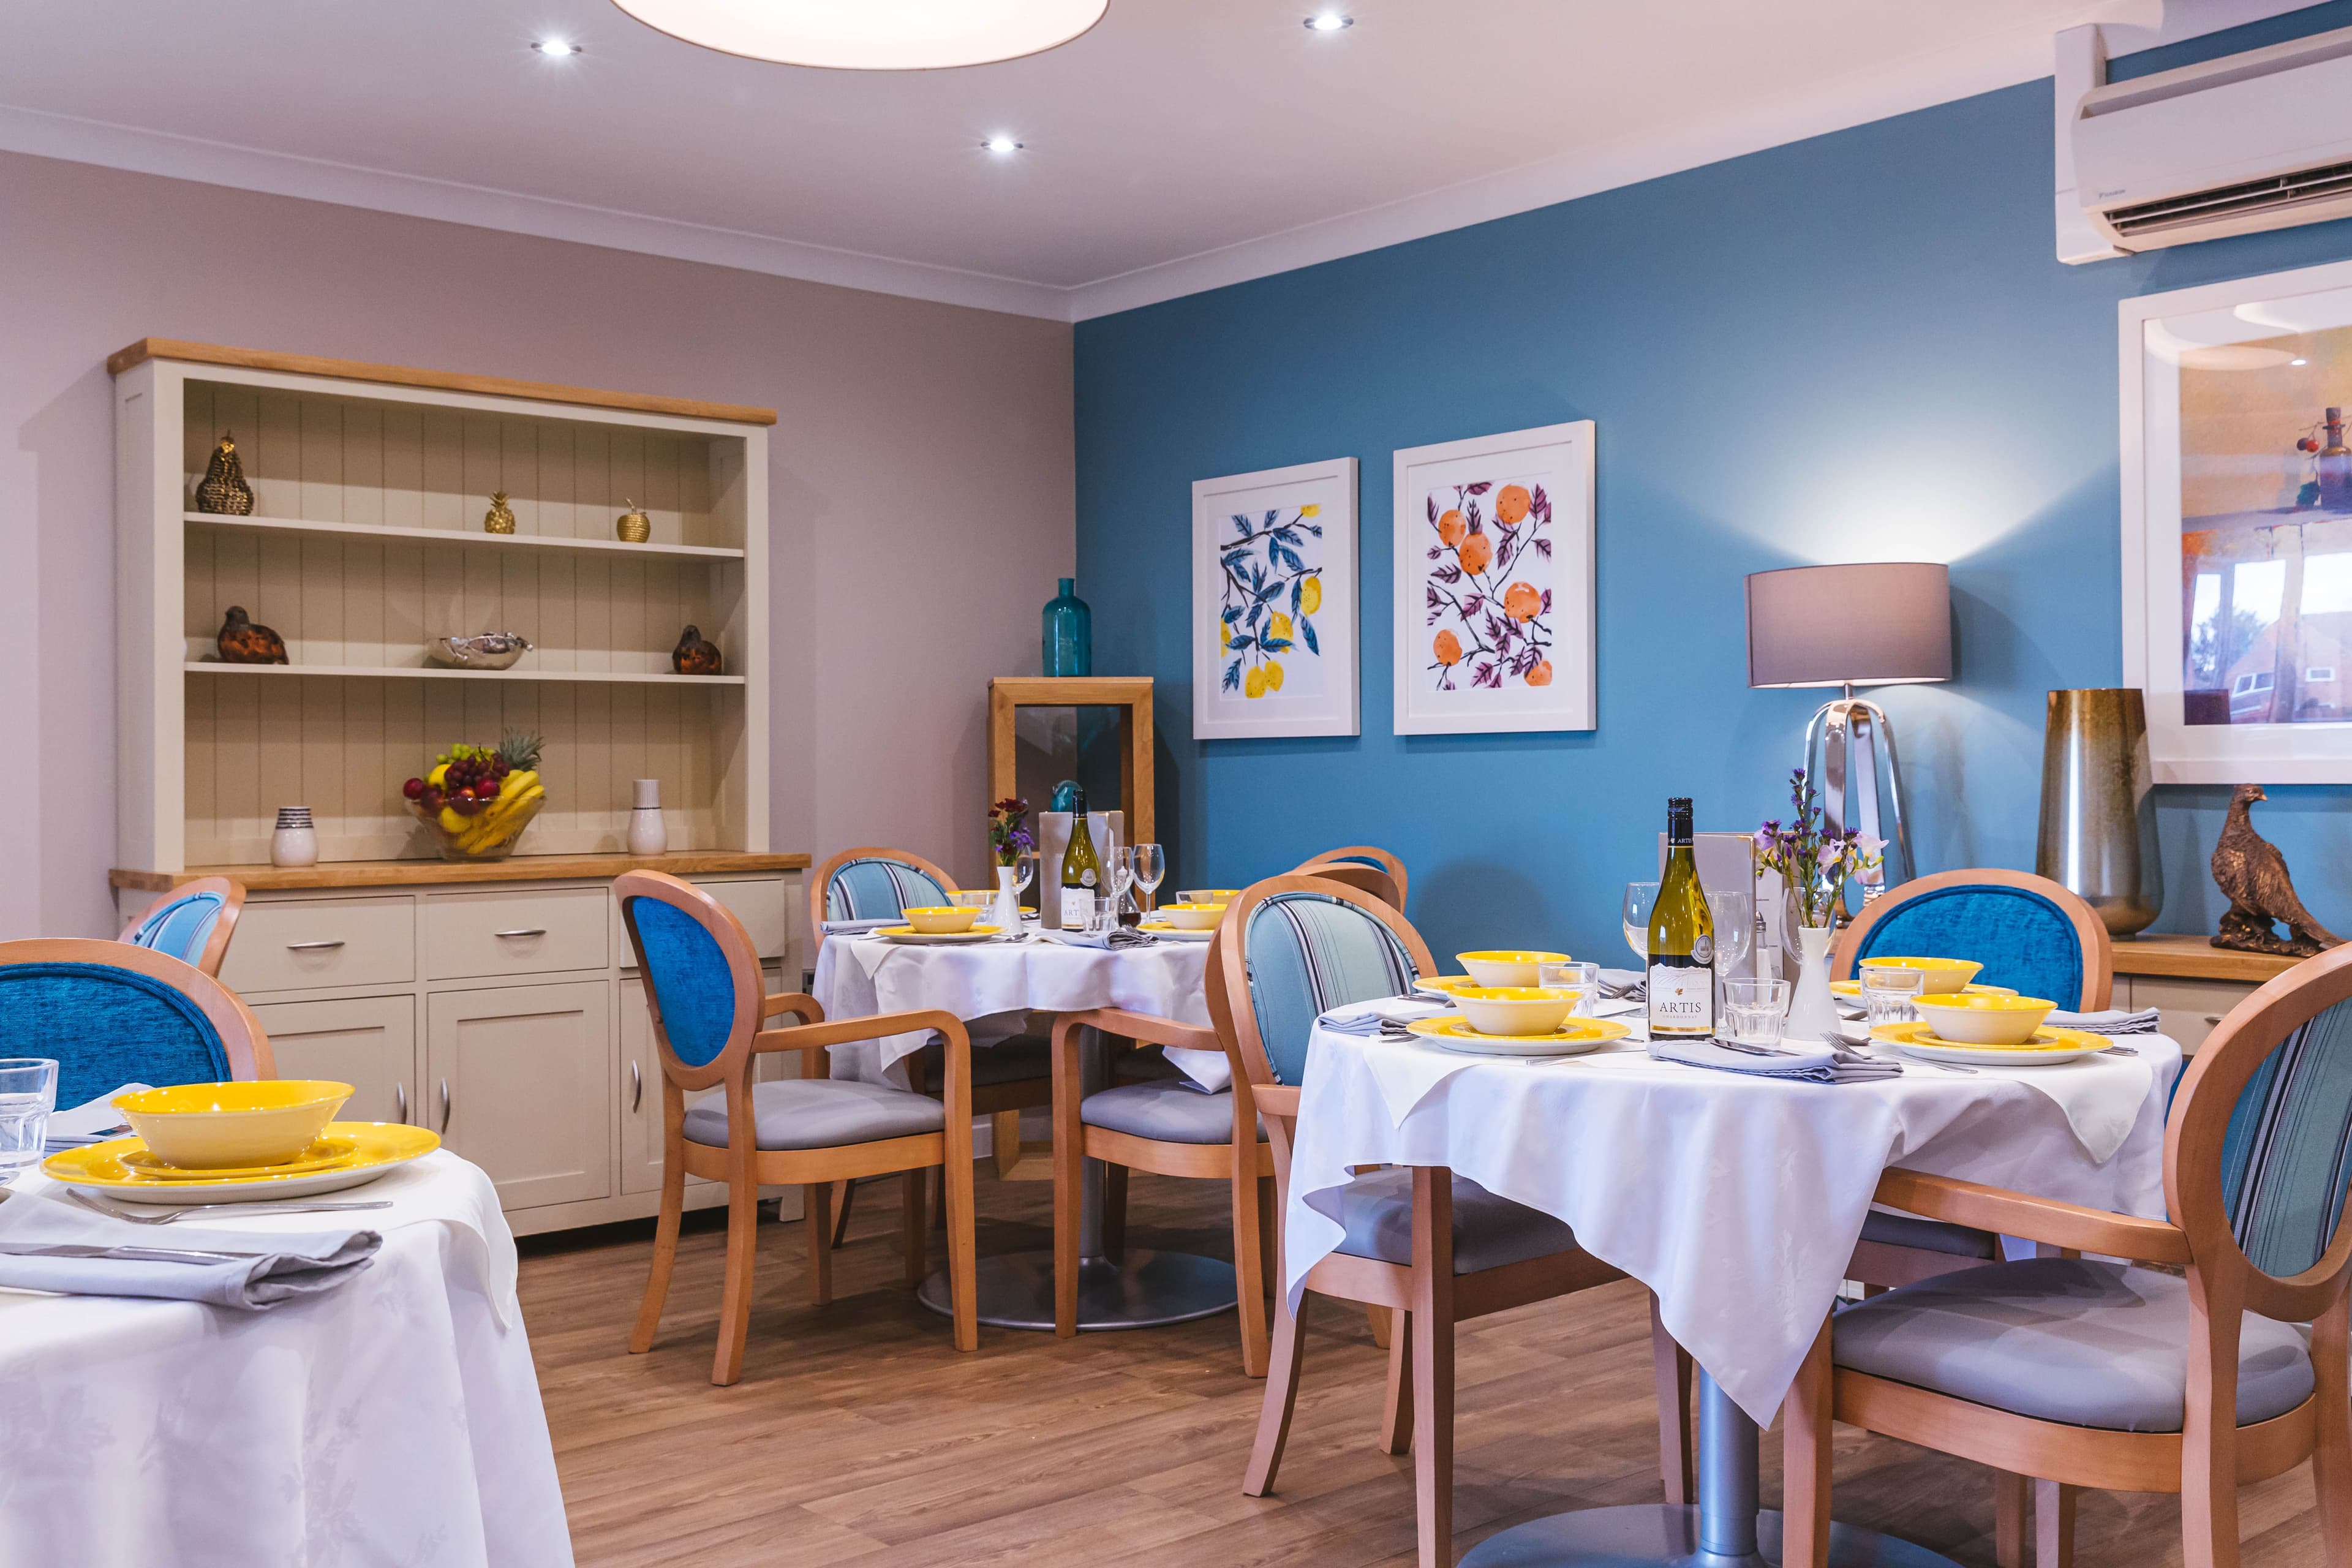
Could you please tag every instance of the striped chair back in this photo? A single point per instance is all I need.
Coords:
(2029, 934)
(872, 888)
(1307, 954)
(191, 925)
(2286, 1159)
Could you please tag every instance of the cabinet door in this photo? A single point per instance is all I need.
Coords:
(519, 1081)
(2189, 1009)
(367, 1042)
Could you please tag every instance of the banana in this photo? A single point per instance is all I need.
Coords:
(453, 823)
(492, 824)
(516, 783)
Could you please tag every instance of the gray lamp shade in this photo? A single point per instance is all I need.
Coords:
(1883, 623)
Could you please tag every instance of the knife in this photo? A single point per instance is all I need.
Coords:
(123, 1254)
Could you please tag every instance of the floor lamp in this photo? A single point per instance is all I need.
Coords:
(1879, 624)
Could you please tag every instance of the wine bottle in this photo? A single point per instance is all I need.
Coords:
(1081, 872)
(1681, 941)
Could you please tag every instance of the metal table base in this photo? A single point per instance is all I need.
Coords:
(1724, 1530)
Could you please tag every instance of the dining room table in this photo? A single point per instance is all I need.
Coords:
(393, 1417)
(996, 985)
(1737, 1197)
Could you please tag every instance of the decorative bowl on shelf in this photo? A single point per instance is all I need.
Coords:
(490, 650)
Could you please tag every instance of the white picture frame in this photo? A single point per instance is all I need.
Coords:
(1519, 611)
(2186, 409)
(1275, 572)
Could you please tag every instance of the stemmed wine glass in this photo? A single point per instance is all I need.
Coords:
(1735, 928)
(1025, 871)
(1122, 875)
(1641, 897)
(1148, 868)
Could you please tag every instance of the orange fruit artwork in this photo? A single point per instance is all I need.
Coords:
(1451, 528)
(1521, 602)
(1476, 552)
(1541, 674)
(1511, 506)
(1448, 649)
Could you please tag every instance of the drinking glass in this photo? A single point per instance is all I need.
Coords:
(1734, 915)
(1887, 990)
(1025, 871)
(1105, 919)
(976, 899)
(1639, 899)
(1576, 976)
(28, 1092)
(1149, 866)
(1755, 1012)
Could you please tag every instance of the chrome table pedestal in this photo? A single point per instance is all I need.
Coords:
(1141, 1289)
(1724, 1530)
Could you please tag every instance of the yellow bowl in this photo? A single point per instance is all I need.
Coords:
(1514, 1009)
(1208, 895)
(1943, 974)
(1507, 966)
(938, 919)
(1983, 1020)
(1854, 988)
(1192, 917)
(214, 1126)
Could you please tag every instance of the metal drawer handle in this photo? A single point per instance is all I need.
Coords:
(534, 931)
(2212, 1017)
(311, 946)
(445, 1107)
(399, 1098)
(637, 1085)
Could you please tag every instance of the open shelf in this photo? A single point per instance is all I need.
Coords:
(433, 672)
(454, 536)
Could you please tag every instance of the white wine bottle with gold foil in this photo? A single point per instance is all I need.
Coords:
(1681, 941)
(1081, 871)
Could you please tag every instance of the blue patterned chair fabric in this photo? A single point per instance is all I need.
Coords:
(1307, 954)
(2023, 940)
(875, 890)
(106, 1028)
(686, 971)
(180, 928)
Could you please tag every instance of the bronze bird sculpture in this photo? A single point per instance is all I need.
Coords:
(2251, 870)
(246, 641)
(693, 656)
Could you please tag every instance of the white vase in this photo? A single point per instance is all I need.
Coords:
(1004, 914)
(648, 834)
(1812, 1011)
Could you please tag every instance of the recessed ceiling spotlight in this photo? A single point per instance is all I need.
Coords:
(556, 49)
(1002, 144)
(1329, 22)
(865, 35)
(2298, 362)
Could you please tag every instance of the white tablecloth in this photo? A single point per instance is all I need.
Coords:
(857, 977)
(1739, 1201)
(394, 1420)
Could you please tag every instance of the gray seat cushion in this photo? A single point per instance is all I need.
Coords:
(1488, 1231)
(1172, 1111)
(821, 1113)
(2063, 1339)
(1930, 1235)
(1016, 1060)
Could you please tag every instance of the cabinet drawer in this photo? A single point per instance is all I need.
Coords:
(306, 943)
(759, 903)
(367, 1042)
(2189, 1008)
(467, 935)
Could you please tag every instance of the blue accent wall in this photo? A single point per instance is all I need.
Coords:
(1854, 347)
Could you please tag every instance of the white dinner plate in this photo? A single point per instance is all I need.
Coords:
(2049, 1047)
(1572, 1038)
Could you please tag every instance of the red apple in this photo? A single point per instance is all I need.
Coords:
(413, 788)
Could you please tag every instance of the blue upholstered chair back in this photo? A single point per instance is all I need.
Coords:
(875, 888)
(105, 1028)
(2024, 941)
(688, 974)
(2287, 1157)
(180, 927)
(1308, 953)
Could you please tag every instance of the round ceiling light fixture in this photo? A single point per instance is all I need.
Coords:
(557, 48)
(873, 34)
(1329, 22)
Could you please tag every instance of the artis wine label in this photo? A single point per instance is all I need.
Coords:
(1682, 999)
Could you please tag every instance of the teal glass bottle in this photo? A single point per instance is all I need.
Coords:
(1069, 633)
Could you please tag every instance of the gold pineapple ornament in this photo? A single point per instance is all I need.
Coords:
(500, 519)
(223, 488)
(634, 526)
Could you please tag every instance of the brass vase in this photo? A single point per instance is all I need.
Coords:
(2098, 807)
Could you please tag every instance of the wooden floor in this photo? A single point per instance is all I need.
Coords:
(859, 1436)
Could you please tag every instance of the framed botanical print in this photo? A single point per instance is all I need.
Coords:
(1273, 603)
(2237, 549)
(1494, 584)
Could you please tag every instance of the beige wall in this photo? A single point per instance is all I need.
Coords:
(921, 477)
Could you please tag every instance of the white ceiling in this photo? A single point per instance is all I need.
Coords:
(1178, 145)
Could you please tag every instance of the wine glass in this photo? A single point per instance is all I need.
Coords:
(1734, 927)
(1025, 871)
(1639, 899)
(1148, 866)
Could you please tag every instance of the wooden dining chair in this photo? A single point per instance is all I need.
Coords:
(109, 1014)
(1347, 858)
(709, 1023)
(2194, 1376)
(192, 922)
(1436, 1247)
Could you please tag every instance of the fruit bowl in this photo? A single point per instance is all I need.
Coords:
(478, 800)
(483, 837)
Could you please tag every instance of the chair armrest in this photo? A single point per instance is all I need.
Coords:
(1275, 1099)
(1159, 1031)
(2007, 1213)
(798, 1002)
(841, 1031)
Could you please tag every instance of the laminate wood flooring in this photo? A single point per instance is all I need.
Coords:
(858, 1437)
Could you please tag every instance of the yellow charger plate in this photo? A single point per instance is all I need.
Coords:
(2048, 1047)
(373, 1149)
(1443, 984)
(1572, 1038)
(321, 1155)
(1854, 988)
(910, 934)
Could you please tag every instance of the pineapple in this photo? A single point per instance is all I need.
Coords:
(521, 751)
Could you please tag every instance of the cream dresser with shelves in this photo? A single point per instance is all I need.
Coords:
(498, 1004)
(2189, 980)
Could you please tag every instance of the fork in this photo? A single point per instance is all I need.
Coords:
(116, 1211)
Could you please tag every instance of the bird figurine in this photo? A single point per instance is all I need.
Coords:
(246, 641)
(2251, 870)
(500, 517)
(693, 656)
(222, 489)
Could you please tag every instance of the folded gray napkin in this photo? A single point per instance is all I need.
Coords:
(1810, 1064)
(1387, 1018)
(859, 927)
(1625, 984)
(267, 1269)
(1117, 940)
(2111, 1021)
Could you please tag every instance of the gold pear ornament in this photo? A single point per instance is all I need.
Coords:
(500, 519)
(633, 526)
(222, 489)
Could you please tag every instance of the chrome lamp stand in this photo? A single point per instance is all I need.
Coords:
(1846, 745)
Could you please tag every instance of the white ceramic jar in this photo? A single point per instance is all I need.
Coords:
(648, 836)
(295, 841)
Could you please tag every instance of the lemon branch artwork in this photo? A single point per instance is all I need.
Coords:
(1269, 604)
(1492, 622)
